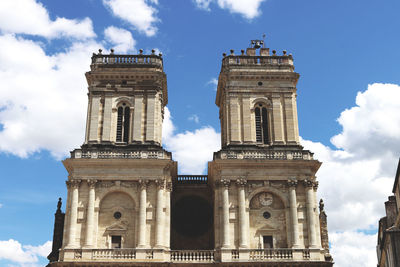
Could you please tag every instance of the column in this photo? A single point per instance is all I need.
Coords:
(225, 213)
(168, 191)
(73, 212)
(160, 213)
(293, 213)
(277, 119)
(243, 222)
(312, 237)
(142, 214)
(90, 214)
(317, 223)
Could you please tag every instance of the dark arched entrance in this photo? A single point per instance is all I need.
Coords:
(192, 223)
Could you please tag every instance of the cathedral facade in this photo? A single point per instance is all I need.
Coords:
(127, 205)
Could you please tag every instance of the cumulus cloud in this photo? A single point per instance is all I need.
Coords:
(192, 149)
(121, 39)
(213, 82)
(357, 176)
(28, 255)
(30, 17)
(355, 249)
(141, 14)
(249, 9)
(44, 104)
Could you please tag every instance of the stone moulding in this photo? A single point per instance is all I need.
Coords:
(119, 154)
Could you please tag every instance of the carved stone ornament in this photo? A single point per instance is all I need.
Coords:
(224, 182)
(73, 183)
(169, 187)
(91, 183)
(266, 199)
(128, 184)
(143, 184)
(308, 183)
(160, 183)
(241, 182)
(106, 184)
(292, 183)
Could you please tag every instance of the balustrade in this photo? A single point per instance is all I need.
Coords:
(192, 179)
(192, 255)
(102, 254)
(257, 60)
(271, 254)
(127, 59)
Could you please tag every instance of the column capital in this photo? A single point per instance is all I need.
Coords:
(309, 183)
(160, 183)
(143, 183)
(91, 183)
(291, 183)
(224, 182)
(73, 183)
(241, 182)
(169, 187)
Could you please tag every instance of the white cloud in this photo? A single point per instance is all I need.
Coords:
(192, 150)
(141, 14)
(194, 118)
(30, 17)
(213, 82)
(1, 205)
(354, 249)
(44, 104)
(121, 39)
(13, 251)
(357, 177)
(249, 9)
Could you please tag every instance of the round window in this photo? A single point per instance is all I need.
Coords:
(260, 83)
(266, 215)
(117, 215)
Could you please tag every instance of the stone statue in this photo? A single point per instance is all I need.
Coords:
(59, 204)
(321, 205)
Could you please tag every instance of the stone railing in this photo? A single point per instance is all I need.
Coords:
(192, 255)
(273, 62)
(271, 254)
(99, 59)
(119, 154)
(191, 179)
(114, 254)
(270, 154)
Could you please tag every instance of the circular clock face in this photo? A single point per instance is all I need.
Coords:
(266, 199)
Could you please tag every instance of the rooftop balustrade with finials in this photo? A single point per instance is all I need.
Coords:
(113, 60)
(283, 62)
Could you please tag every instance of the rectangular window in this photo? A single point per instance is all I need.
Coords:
(267, 240)
(116, 241)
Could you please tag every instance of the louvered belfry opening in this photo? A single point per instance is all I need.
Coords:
(261, 118)
(123, 124)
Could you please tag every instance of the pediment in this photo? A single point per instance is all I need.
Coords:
(117, 227)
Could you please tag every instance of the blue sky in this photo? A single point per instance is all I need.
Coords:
(345, 51)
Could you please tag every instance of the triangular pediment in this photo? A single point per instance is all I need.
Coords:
(117, 227)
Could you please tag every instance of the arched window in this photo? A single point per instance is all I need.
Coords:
(261, 118)
(123, 123)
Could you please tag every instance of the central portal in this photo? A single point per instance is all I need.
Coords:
(192, 222)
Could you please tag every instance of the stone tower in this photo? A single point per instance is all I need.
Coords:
(263, 181)
(127, 206)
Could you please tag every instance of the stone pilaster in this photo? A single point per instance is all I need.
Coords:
(106, 136)
(137, 118)
(167, 240)
(293, 213)
(73, 186)
(94, 119)
(243, 217)
(277, 119)
(160, 213)
(90, 214)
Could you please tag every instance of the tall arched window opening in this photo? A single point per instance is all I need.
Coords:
(123, 123)
(261, 118)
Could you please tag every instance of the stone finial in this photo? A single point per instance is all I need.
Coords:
(160, 54)
(224, 54)
(284, 52)
(100, 50)
(153, 51)
(232, 52)
(321, 206)
(141, 51)
(242, 51)
(274, 52)
(59, 204)
(112, 51)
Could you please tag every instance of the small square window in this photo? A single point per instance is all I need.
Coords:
(268, 242)
(116, 241)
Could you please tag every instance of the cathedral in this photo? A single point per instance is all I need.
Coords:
(127, 205)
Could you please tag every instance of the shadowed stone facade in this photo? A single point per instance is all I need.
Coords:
(257, 206)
